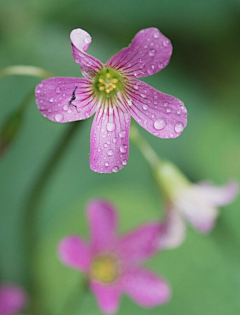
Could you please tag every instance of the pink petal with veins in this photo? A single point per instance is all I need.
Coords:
(109, 139)
(161, 114)
(65, 99)
(80, 42)
(149, 52)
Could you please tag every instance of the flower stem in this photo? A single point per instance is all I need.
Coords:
(26, 70)
(75, 299)
(33, 206)
(147, 151)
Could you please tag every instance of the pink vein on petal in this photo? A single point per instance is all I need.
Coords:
(149, 52)
(64, 99)
(80, 41)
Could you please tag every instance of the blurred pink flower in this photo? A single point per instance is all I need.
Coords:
(111, 262)
(12, 299)
(112, 91)
(195, 203)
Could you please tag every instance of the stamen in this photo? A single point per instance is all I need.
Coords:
(108, 75)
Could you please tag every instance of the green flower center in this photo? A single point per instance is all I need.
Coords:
(105, 269)
(108, 82)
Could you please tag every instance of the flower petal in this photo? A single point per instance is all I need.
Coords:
(197, 209)
(74, 252)
(103, 224)
(109, 140)
(173, 230)
(65, 99)
(108, 296)
(141, 243)
(145, 288)
(80, 42)
(12, 299)
(161, 114)
(219, 195)
(149, 52)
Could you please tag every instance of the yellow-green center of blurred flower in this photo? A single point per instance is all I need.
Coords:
(105, 269)
(108, 82)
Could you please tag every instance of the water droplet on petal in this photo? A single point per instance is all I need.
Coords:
(115, 169)
(105, 145)
(59, 117)
(160, 124)
(110, 152)
(40, 85)
(124, 162)
(123, 148)
(168, 110)
(58, 89)
(51, 100)
(106, 164)
(152, 52)
(65, 107)
(42, 107)
(122, 134)
(110, 126)
(179, 127)
(145, 107)
(156, 34)
(150, 70)
(38, 91)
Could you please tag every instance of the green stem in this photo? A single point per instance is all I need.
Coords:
(75, 299)
(32, 208)
(147, 151)
(26, 70)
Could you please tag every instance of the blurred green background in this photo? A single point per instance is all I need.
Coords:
(204, 72)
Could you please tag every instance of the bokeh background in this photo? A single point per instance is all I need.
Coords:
(204, 72)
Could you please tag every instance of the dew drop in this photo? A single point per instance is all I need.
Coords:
(40, 85)
(114, 140)
(122, 134)
(65, 107)
(58, 90)
(51, 100)
(152, 52)
(115, 169)
(123, 148)
(110, 126)
(150, 70)
(179, 112)
(145, 107)
(42, 107)
(156, 34)
(124, 162)
(179, 127)
(168, 110)
(110, 152)
(38, 91)
(106, 164)
(160, 124)
(105, 145)
(166, 42)
(59, 117)
(135, 87)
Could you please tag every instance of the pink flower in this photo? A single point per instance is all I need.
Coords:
(112, 91)
(194, 203)
(111, 262)
(12, 299)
